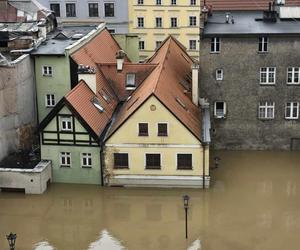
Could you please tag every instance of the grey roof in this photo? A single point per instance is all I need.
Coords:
(54, 46)
(245, 23)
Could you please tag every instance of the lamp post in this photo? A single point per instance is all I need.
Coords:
(11, 238)
(186, 206)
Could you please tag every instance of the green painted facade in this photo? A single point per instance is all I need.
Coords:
(54, 141)
(58, 84)
(130, 44)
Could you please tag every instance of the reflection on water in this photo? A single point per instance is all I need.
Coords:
(106, 241)
(253, 204)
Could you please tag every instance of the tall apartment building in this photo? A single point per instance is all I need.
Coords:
(154, 20)
(250, 74)
(114, 12)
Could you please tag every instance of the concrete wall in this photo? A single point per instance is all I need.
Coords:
(17, 105)
(34, 181)
(119, 22)
(242, 92)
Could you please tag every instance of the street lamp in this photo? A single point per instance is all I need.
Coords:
(186, 199)
(11, 238)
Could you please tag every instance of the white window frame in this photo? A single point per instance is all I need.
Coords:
(130, 77)
(267, 71)
(266, 107)
(192, 21)
(219, 76)
(291, 106)
(293, 71)
(215, 41)
(63, 159)
(264, 44)
(64, 121)
(138, 23)
(216, 114)
(47, 70)
(86, 157)
(50, 102)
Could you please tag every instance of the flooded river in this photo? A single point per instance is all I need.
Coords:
(253, 203)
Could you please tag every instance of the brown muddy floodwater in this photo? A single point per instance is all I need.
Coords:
(253, 203)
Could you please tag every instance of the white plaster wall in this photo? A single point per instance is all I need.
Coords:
(17, 102)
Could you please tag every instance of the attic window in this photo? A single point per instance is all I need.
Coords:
(130, 81)
(180, 103)
(97, 104)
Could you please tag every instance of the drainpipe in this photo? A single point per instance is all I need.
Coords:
(101, 163)
(204, 165)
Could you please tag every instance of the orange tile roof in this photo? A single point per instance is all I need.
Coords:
(245, 4)
(166, 84)
(117, 79)
(101, 49)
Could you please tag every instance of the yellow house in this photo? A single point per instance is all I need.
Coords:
(156, 137)
(154, 20)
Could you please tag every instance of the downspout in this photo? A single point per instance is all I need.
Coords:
(101, 163)
(204, 160)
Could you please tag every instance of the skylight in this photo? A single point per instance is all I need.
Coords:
(130, 80)
(105, 95)
(180, 102)
(97, 104)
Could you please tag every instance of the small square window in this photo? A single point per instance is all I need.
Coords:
(120, 160)
(184, 161)
(47, 71)
(193, 20)
(153, 161)
(143, 129)
(162, 129)
(219, 74)
(140, 22)
(267, 75)
(193, 44)
(220, 109)
(66, 123)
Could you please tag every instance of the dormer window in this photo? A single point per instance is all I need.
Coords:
(130, 81)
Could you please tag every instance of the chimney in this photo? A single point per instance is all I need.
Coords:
(195, 83)
(120, 59)
(88, 74)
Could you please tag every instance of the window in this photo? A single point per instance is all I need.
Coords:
(215, 45)
(66, 124)
(158, 2)
(153, 161)
(55, 7)
(47, 71)
(93, 10)
(184, 161)
(141, 45)
(220, 109)
(143, 129)
(97, 104)
(158, 22)
(140, 22)
(193, 2)
(130, 80)
(173, 2)
(109, 9)
(140, 2)
(65, 159)
(193, 20)
(157, 44)
(50, 100)
(293, 75)
(111, 31)
(173, 22)
(70, 10)
(267, 75)
(266, 110)
(86, 160)
(292, 110)
(121, 160)
(219, 74)
(193, 44)
(263, 44)
(162, 129)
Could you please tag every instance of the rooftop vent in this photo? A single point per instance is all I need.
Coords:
(77, 36)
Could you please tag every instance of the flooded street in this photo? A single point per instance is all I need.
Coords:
(253, 203)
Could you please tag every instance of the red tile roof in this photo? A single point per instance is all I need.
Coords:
(245, 4)
(166, 84)
(117, 79)
(101, 49)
